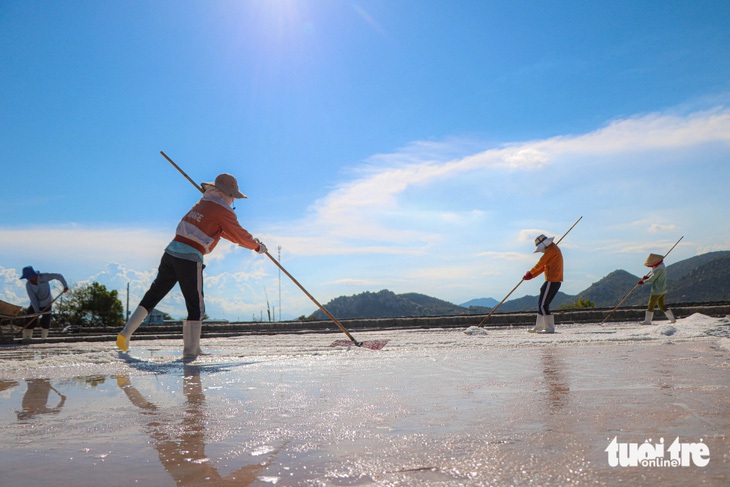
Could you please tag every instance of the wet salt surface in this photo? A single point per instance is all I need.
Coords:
(434, 407)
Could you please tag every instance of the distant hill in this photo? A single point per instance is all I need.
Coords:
(701, 278)
(610, 290)
(709, 281)
(387, 304)
(481, 302)
(679, 269)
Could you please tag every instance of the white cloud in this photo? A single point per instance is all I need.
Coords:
(530, 234)
(374, 210)
(54, 246)
(12, 289)
(510, 256)
(658, 228)
(633, 247)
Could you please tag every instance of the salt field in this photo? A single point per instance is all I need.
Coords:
(434, 407)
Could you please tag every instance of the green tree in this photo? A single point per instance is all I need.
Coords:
(91, 305)
(579, 303)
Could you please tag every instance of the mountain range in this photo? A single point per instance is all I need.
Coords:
(702, 278)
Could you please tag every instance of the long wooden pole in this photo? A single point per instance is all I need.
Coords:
(522, 280)
(637, 285)
(324, 310)
(276, 262)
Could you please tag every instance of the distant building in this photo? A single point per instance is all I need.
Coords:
(156, 317)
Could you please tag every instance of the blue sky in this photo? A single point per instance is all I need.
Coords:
(408, 145)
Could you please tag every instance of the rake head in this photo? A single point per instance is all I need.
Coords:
(370, 344)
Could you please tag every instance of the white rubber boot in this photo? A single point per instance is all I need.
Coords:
(549, 326)
(539, 323)
(647, 318)
(27, 335)
(670, 315)
(44, 333)
(132, 324)
(191, 338)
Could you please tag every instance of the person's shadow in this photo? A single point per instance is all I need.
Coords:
(557, 393)
(180, 438)
(35, 400)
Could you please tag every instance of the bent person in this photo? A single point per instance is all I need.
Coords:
(197, 234)
(551, 263)
(38, 287)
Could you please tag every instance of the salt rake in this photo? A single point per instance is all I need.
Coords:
(370, 344)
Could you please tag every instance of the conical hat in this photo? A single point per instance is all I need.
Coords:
(653, 260)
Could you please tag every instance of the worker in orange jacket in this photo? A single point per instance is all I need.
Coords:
(196, 235)
(551, 263)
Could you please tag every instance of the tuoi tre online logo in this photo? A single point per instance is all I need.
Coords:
(650, 454)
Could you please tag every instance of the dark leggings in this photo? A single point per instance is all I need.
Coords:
(188, 274)
(45, 320)
(547, 294)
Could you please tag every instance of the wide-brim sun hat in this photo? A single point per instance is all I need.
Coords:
(226, 184)
(542, 242)
(28, 272)
(653, 260)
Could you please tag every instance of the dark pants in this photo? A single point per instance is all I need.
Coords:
(547, 294)
(188, 274)
(44, 320)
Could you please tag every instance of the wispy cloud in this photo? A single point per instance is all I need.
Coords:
(386, 200)
(658, 228)
(81, 246)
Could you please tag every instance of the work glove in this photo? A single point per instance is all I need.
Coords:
(262, 248)
(641, 281)
(528, 276)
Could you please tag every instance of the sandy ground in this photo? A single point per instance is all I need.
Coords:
(434, 407)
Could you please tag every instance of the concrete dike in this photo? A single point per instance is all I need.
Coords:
(497, 320)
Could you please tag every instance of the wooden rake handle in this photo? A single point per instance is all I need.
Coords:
(324, 310)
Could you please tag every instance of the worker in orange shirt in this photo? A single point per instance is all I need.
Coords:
(551, 263)
(196, 235)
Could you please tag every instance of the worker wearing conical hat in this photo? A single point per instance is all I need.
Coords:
(551, 263)
(657, 277)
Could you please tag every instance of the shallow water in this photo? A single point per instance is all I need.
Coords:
(434, 407)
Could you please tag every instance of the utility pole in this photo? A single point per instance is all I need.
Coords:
(279, 285)
(127, 302)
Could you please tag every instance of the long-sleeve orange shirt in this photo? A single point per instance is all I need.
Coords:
(551, 263)
(209, 220)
